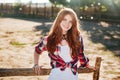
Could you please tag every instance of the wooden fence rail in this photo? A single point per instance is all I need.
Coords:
(4, 72)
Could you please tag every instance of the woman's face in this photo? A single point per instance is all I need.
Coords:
(66, 23)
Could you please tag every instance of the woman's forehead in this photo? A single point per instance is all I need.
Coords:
(68, 16)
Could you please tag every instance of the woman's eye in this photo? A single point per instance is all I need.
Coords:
(64, 19)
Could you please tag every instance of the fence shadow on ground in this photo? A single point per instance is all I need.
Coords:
(45, 27)
(46, 23)
(105, 33)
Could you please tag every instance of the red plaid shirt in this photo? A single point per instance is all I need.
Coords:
(57, 61)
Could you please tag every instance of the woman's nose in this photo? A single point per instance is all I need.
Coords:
(67, 23)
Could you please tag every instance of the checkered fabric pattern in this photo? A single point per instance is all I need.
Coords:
(57, 61)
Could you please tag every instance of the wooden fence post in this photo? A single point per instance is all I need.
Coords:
(45, 10)
(97, 67)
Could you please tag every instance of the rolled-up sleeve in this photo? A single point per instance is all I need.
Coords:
(82, 58)
(41, 46)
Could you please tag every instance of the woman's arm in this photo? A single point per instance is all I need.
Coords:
(36, 66)
(38, 50)
(36, 58)
(84, 61)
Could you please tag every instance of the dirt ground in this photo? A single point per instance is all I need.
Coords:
(18, 38)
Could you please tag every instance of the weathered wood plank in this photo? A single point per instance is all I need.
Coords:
(29, 71)
(21, 72)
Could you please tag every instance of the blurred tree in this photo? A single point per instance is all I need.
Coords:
(30, 2)
(115, 8)
(59, 2)
(74, 3)
(17, 6)
(55, 3)
(112, 6)
(84, 3)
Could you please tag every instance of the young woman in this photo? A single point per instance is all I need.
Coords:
(65, 47)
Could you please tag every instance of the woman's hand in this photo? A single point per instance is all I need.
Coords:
(37, 69)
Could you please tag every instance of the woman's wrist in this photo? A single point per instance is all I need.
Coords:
(35, 64)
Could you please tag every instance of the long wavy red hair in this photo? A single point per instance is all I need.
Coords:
(55, 34)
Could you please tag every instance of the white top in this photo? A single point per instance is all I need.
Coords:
(65, 53)
(56, 73)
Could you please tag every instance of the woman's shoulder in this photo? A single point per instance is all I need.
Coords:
(44, 39)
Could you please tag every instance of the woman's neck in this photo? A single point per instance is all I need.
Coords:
(64, 32)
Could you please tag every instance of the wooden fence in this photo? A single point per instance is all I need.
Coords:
(35, 9)
(4, 72)
(47, 10)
